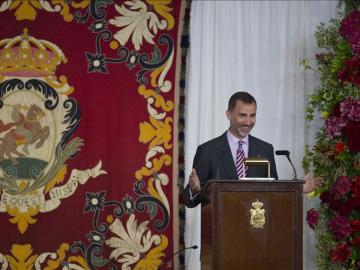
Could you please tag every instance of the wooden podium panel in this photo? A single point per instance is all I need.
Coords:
(229, 241)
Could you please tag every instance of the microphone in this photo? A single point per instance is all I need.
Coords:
(282, 153)
(287, 154)
(169, 258)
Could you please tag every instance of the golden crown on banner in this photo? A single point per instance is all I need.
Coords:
(27, 56)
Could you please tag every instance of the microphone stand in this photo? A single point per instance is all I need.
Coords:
(295, 174)
(287, 154)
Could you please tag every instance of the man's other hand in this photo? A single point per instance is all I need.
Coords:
(311, 182)
(194, 182)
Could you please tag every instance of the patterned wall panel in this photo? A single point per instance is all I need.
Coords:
(87, 115)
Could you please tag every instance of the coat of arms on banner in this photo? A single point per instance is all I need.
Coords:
(37, 121)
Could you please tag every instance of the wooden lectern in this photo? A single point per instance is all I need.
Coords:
(252, 224)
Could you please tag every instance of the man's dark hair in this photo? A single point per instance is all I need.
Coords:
(243, 96)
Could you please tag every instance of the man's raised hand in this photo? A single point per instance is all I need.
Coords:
(194, 182)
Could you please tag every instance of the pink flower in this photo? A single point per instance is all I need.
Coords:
(340, 226)
(340, 253)
(355, 202)
(326, 197)
(351, 71)
(353, 63)
(342, 186)
(312, 217)
(334, 125)
(343, 74)
(350, 29)
(355, 225)
(335, 204)
(355, 242)
(346, 208)
(356, 186)
(350, 109)
(336, 110)
(354, 42)
(350, 23)
(352, 131)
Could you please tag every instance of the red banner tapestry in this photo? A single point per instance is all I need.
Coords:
(87, 133)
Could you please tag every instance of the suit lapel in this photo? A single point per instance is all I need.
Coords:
(251, 172)
(251, 146)
(254, 149)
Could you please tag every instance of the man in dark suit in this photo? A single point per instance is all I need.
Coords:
(221, 158)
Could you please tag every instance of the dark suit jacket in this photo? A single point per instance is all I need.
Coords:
(213, 160)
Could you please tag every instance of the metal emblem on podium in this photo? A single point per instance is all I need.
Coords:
(257, 219)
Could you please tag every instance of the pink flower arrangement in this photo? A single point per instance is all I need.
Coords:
(341, 186)
(352, 132)
(355, 242)
(350, 109)
(355, 225)
(345, 121)
(350, 28)
(312, 217)
(334, 126)
(336, 153)
(356, 186)
(340, 253)
(340, 226)
(351, 71)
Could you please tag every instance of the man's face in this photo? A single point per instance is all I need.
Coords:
(242, 119)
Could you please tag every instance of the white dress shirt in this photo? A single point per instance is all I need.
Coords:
(234, 144)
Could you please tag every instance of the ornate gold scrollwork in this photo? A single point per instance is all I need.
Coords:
(257, 219)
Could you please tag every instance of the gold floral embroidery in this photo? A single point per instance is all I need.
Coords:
(156, 166)
(152, 191)
(152, 259)
(157, 192)
(61, 252)
(21, 259)
(158, 132)
(22, 219)
(27, 9)
(78, 260)
(159, 100)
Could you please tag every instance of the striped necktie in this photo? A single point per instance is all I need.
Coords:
(240, 157)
